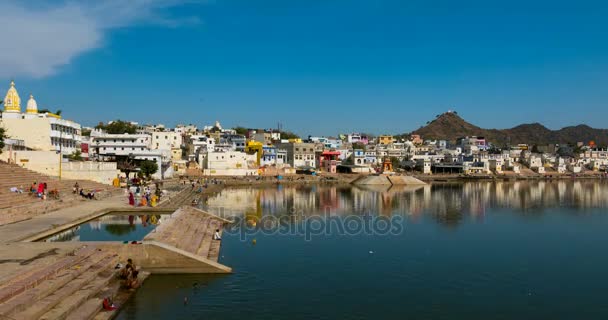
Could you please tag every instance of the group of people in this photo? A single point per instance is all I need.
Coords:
(129, 275)
(80, 191)
(39, 190)
(146, 197)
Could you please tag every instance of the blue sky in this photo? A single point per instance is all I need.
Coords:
(318, 67)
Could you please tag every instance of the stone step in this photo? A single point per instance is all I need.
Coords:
(31, 279)
(67, 298)
(64, 280)
(67, 304)
(195, 241)
(87, 310)
(203, 250)
(214, 249)
(119, 295)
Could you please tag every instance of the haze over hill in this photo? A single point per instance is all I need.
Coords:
(450, 126)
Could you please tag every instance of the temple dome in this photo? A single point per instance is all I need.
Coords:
(32, 106)
(12, 102)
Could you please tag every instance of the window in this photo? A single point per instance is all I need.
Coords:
(297, 149)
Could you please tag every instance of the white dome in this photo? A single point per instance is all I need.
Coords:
(32, 106)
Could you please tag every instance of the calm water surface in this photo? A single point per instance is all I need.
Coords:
(467, 251)
(111, 227)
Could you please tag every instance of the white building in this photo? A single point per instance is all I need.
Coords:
(186, 129)
(168, 140)
(39, 131)
(108, 147)
(200, 145)
(230, 163)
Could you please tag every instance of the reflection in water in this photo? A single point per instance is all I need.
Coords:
(111, 227)
(535, 256)
(508, 267)
(448, 203)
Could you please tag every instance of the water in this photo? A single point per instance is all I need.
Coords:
(111, 227)
(474, 250)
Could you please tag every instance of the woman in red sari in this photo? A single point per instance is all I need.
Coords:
(131, 199)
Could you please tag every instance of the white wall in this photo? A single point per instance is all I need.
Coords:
(47, 162)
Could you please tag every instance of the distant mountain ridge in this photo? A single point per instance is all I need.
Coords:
(450, 126)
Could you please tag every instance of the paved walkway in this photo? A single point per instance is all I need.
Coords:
(22, 230)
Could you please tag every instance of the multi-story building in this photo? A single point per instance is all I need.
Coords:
(168, 140)
(272, 156)
(198, 147)
(385, 139)
(357, 138)
(230, 163)
(113, 147)
(264, 136)
(38, 131)
(472, 144)
(299, 154)
(237, 141)
(185, 129)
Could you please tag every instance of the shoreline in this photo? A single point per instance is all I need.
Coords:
(347, 179)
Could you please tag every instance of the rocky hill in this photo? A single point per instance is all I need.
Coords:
(450, 126)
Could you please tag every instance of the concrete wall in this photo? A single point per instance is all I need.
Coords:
(230, 172)
(102, 172)
(36, 133)
(47, 162)
(157, 257)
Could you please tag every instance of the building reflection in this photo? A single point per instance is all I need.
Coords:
(447, 203)
(110, 224)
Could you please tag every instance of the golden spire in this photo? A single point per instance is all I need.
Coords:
(12, 102)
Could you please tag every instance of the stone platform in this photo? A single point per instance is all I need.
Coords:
(388, 180)
(68, 280)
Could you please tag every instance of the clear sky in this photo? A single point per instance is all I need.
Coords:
(318, 67)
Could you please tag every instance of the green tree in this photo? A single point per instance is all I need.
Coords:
(395, 162)
(118, 127)
(119, 229)
(85, 132)
(358, 145)
(241, 130)
(44, 110)
(148, 168)
(289, 135)
(76, 156)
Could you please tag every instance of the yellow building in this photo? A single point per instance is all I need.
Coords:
(39, 131)
(385, 139)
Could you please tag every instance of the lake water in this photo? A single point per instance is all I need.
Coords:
(111, 227)
(466, 251)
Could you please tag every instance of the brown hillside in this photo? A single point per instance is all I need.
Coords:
(450, 126)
